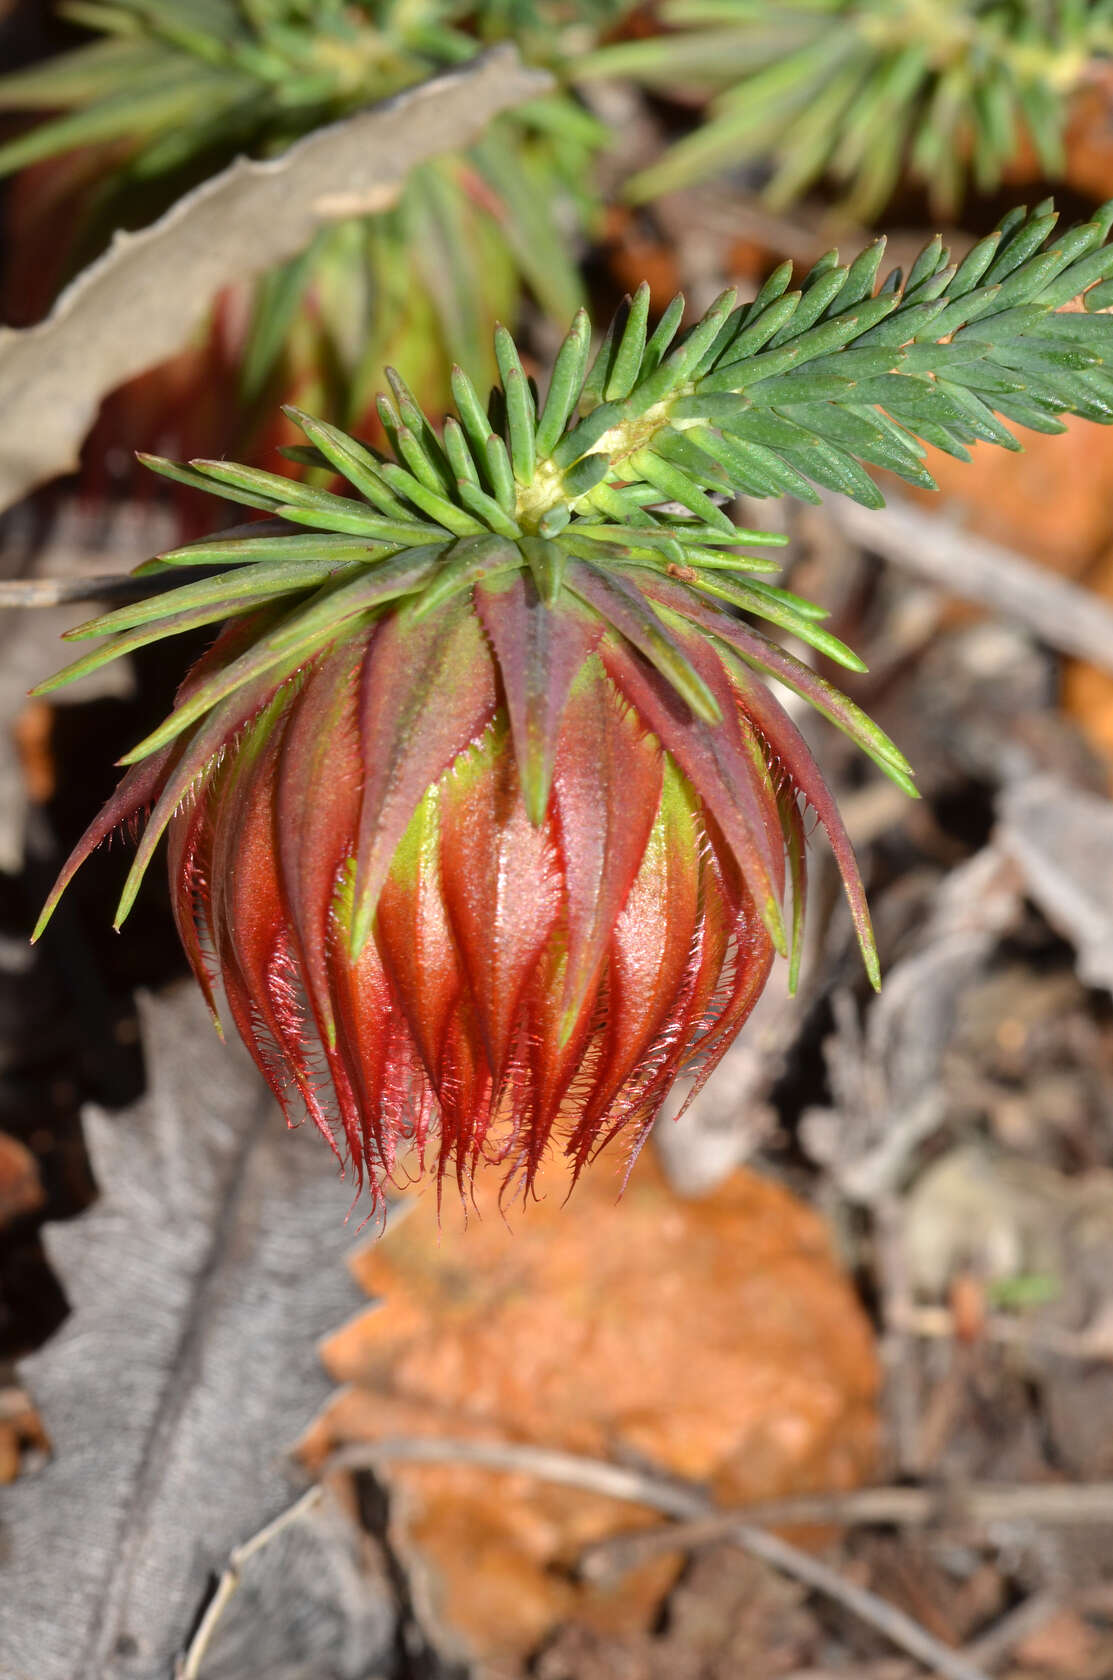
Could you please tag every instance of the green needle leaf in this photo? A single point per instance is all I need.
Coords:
(472, 560)
(565, 385)
(547, 562)
(631, 348)
(351, 459)
(305, 629)
(521, 420)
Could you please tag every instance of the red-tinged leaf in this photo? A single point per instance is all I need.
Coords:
(465, 567)
(189, 859)
(550, 1058)
(730, 966)
(747, 965)
(317, 796)
(803, 773)
(197, 754)
(606, 790)
(316, 809)
(428, 693)
(190, 840)
(795, 754)
(234, 640)
(415, 939)
(253, 946)
(751, 973)
(796, 849)
(135, 792)
(717, 763)
(376, 1050)
(650, 956)
(716, 667)
(502, 887)
(540, 650)
(772, 659)
(306, 630)
(464, 1094)
(627, 611)
(697, 1007)
(697, 1013)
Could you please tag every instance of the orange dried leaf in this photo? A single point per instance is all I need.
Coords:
(714, 1339)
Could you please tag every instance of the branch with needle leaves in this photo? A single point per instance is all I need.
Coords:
(607, 495)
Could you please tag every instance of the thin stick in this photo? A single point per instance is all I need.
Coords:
(992, 1647)
(121, 586)
(979, 1506)
(672, 1499)
(56, 591)
(938, 1324)
(1067, 1503)
(189, 1666)
(1072, 620)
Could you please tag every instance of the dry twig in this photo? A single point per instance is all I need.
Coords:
(673, 1500)
(190, 1665)
(991, 1648)
(1074, 621)
(978, 1506)
(938, 1324)
(119, 586)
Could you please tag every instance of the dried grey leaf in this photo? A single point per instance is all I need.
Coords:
(199, 1285)
(294, 1603)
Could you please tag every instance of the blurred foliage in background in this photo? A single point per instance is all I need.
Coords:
(160, 94)
(170, 91)
(864, 90)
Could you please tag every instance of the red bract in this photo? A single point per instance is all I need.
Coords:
(525, 982)
(481, 816)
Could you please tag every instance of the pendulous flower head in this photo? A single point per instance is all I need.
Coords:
(480, 811)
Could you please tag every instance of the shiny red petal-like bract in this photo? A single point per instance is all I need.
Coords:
(482, 823)
(558, 860)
